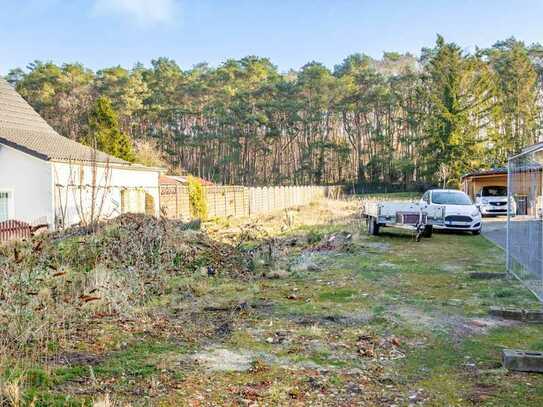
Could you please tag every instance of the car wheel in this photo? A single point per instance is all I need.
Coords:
(428, 230)
(373, 226)
(476, 232)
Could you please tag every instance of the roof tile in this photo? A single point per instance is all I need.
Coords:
(23, 128)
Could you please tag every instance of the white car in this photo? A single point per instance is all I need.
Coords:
(460, 212)
(492, 201)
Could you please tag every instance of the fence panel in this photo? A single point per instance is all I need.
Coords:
(524, 237)
(13, 230)
(174, 202)
(224, 201)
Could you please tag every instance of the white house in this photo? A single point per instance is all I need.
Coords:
(47, 178)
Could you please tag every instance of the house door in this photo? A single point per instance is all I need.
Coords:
(4, 205)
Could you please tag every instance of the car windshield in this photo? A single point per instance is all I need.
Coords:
(494, 191)
(450, 198)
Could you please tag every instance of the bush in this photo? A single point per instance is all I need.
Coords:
(198, 204)
(314, 236)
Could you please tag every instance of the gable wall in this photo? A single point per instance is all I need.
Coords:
(29, 181)
(117, 190)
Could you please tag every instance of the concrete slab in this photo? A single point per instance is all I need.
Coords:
(483, 275)
(532, 316)
(522, 360)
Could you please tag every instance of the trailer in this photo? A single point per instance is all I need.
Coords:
(419, 218)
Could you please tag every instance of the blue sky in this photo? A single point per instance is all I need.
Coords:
(101, 33)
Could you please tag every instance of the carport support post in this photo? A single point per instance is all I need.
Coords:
(507, 243)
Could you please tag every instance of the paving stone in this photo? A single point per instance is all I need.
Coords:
(522, 360)
(483, 275)
(532, 316)
(506, 313)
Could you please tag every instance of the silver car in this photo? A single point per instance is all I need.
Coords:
(492, 201)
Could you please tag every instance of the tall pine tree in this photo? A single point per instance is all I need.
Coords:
(515, 118)
(105, 134)
(458, 90)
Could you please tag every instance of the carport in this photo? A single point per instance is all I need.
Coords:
(527, 186)
(473, 182)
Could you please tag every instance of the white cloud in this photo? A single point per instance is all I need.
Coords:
(144, 12)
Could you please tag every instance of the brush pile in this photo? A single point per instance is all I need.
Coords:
(56, 282)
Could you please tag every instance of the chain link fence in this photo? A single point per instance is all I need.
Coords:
(524, 245)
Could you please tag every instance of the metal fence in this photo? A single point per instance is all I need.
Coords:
(524, 245)
(14, 229)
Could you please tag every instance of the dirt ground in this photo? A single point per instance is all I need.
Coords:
(325, 316)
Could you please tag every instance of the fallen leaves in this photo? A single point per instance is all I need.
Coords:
(370, 345)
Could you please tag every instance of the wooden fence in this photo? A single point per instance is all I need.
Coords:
(14, 229)
(225, 201)
(174, 202)
(268, 199)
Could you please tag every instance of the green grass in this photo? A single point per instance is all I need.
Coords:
(386, 286)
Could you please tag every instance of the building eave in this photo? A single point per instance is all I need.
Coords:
(24, 149)
(127, 166)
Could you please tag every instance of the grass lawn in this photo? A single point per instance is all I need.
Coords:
(334, 317)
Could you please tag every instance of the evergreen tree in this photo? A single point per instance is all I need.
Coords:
(458, 88)
(105, 134)
(515, 119)
(395, 121)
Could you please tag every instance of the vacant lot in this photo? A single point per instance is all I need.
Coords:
(300, 308)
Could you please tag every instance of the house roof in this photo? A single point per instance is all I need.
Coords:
(22, 128)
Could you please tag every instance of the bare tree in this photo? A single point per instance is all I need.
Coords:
(87, 195)
(444, 174)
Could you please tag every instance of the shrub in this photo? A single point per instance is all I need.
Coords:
(197, 200)
(314, 236)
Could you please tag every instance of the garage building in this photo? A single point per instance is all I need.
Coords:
(527, 186)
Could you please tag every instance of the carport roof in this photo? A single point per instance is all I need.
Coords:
(534, 166)
(494, 171)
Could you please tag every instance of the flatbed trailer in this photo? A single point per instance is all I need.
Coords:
(404, 215)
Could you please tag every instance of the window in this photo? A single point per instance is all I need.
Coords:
(494, 191)
(426, 197)
(450, 198)
(132, 201)
(4, 206)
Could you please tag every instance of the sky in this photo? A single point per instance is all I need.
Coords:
(103, 33)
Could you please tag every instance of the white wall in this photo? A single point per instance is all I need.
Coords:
(74, 196)
(28, 180)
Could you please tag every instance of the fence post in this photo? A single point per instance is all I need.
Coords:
(225, 203)
(177, 211)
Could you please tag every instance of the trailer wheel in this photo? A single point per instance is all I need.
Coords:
(373, 226)
(428, 230)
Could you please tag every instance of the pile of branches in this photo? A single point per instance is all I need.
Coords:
(52, 283)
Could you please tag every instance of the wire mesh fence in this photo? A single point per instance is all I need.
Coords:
(524, 248)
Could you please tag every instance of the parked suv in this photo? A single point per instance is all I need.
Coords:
(492, 201)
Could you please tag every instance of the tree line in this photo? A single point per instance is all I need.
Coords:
(399, 120)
